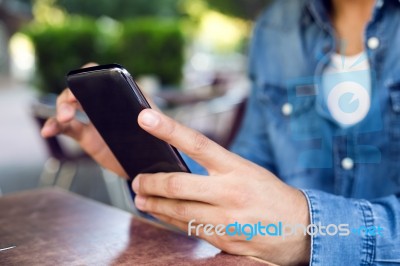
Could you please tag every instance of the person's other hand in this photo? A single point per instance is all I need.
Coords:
(85, 134)
(234, 190)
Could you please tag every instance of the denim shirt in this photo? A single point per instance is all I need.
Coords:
(349, 175)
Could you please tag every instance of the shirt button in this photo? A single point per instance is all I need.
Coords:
(347, 163)
(373, 43)
(287, 109)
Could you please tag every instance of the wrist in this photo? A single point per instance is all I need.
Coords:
(300, 247)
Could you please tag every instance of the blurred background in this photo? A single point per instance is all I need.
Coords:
(188, 55)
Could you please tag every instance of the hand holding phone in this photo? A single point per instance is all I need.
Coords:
(112, 101)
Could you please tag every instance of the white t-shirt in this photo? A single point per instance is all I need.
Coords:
(346, 83)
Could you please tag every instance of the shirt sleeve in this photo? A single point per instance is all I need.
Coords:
(354, 231)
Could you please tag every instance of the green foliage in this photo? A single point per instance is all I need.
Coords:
(143, 46)
(121, 9)
(152, 46)
(248, 9)
(61, 48)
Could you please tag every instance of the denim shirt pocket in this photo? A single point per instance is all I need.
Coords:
(291, 108)
(285, 102)
(294, 127)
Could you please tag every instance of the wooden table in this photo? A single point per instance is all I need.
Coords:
(53, 227)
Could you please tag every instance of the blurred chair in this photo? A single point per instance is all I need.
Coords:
(61, 167)
(219, 119)
(65, 158)
(216, 109)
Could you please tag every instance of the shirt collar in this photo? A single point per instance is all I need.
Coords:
(320, 10)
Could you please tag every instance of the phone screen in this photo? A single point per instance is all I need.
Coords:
(113, 101)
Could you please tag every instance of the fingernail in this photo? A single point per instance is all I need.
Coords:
(140, 201)
(150, 118)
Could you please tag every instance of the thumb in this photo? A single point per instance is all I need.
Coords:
(194, 144)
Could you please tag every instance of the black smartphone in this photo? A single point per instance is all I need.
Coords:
(112, 101)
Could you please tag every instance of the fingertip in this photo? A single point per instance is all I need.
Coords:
(49, 129)
(149, 118)
(46, 133)
(43, 133)
(140, 202)
(135, 184)
(90, 64)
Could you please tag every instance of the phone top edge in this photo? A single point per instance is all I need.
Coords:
(113, 67)
(96, 68)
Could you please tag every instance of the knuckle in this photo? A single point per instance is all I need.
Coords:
(89, 64)
(166, 219)
(203, 187)
(173, 185)
(243, 199)
(62, 97)
(226, 219)
(201, 142)
(181, 210)
(240, 196)
(151, 205)
(170, 131)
